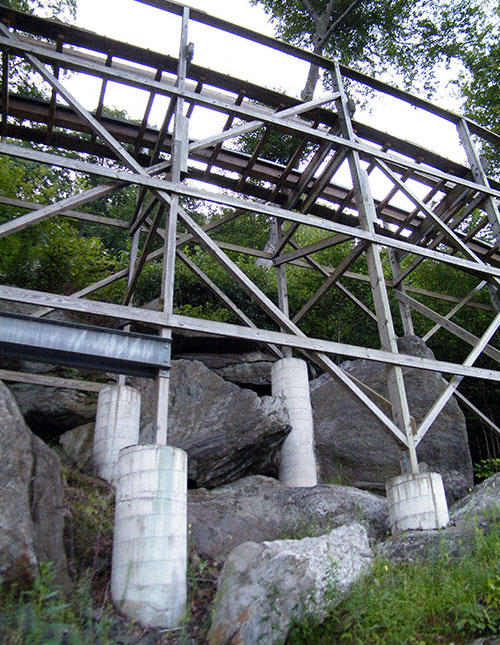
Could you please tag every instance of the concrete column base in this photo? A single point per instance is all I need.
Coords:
(417, 501)
(117, 425)
(148, 571)
(298, 461)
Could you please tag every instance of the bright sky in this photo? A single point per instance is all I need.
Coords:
(146, 26)
(137, 23)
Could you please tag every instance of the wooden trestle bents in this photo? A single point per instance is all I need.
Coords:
(166, 165)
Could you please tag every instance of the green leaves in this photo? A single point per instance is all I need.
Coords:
(404, 37)
(62, 9)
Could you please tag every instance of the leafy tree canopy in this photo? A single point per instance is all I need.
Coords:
(22, 77)
(408, 37)
(479, 84)
(61, 9)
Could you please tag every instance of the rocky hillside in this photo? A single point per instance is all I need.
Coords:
(268, 539)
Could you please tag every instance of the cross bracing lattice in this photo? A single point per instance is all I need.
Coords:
(424, 215)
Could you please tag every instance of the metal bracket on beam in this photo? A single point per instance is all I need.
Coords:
(83, 346)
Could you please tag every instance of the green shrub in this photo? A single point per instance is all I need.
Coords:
(442, 601)
(41, 615)
(486, 468)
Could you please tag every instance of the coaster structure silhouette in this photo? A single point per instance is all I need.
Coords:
(434, 210)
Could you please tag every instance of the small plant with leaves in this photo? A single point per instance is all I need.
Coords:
(487, 468)
(42, 615)
(443, 600)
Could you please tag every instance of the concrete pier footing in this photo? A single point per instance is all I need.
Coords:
(298, 461)
(117, 425)
(148, 572)
(417, 501)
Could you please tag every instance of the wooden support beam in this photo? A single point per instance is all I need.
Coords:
(136, 274)
(5, 90)
(158, 319)
(456, 308)
(438, 222)
(223, 297)
(400, 289)
(314, 247)
(146, 178)
(445, 396)
(145, 117)
(318, 186)
(367, 216)
(72, 214)
(452, 327)
(477, 411)
(479, 175)
(50, 381)
(351, 257)
(248, 111)
(227, 126)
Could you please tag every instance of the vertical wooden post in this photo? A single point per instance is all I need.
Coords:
(179, 161)
(134, 248)
(404, 309)
(367, 215)
(282, 283)
(490, 204)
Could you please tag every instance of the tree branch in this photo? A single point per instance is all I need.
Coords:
(340, 19)
(310, 10)
(331, 6)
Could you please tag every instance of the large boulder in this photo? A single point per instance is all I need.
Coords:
(50, 411)
(31, 500)
(250, 369)
(351, 442)
(228, 432)
(483, 500)
(262, 588)
(261, 508)
(78, 446)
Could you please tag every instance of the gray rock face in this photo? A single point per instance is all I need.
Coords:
(228, 432)
(31, 500)
(51, 411)
(261, 508)
(484, 499)
(262, 587)
(479, 512)
(350, 441)
(78, 446)
(252, 368)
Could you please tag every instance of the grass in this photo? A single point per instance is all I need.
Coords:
(42, 615)
(442, 601)
(88, 534)
(447, 600)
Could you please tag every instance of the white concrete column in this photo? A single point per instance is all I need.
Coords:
(417, 501)
(117, 425)
(298, 461)
(148, 571)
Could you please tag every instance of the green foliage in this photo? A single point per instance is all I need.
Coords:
(278, 147)
(60, 9)
(479, 85)
(89, 532)
(41, 615)
(53, 257)
(486, 468)
(58, 254)
(410, 38)
(22, 77)
(202, 574)
(441, 601)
